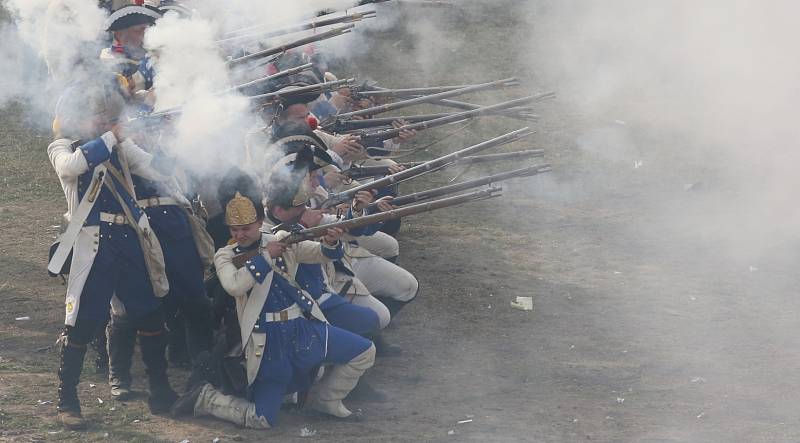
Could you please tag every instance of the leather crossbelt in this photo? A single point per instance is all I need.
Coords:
(156, 201)
(117, 219)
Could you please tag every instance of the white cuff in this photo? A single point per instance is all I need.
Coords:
(336, 158)
(110, 140)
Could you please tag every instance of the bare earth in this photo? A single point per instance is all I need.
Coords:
(643, 330)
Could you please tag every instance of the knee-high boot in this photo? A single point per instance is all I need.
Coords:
(121, 342)
(69, 374)
(393, 305)
(334, 387)
(205, 400)
(100, 346)
(153, 346)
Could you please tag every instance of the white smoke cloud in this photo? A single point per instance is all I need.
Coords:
(702, 91)
(41, 48)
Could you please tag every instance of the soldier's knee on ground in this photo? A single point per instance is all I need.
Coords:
(409, 289)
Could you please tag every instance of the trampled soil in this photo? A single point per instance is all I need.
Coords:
(643, 330)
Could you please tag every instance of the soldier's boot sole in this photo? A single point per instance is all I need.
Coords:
(71, 420)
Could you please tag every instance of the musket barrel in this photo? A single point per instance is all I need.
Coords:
(319, 231)
(451, 118)
(512, 136)
(321, 87)
(414, 101)
(293, 44)
(361, 172)
(463, 186)
(294, 28)
(290, 71)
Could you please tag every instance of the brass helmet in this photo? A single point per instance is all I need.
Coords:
(240, 211)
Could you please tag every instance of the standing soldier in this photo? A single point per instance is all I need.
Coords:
(127, 24)
(114, 251)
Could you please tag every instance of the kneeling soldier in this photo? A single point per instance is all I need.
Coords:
(284, 332)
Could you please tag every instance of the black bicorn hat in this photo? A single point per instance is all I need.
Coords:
(286, 186)
(129, 13)
(285, 85)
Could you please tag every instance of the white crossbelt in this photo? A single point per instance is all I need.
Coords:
(156, 201)
(117, 219)
(290, 313)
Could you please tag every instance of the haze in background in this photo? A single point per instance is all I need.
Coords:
(704, 94)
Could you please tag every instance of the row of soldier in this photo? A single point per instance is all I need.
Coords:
(266, 321)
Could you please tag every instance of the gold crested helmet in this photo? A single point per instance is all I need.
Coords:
(240, 211)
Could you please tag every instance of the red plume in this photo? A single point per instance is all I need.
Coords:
(312, 121)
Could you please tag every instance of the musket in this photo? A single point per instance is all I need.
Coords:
(340, 126)
(463, 186)
(513, 113)
(428, 98)
(347, 195)
(373, 141)
(361, 172)
(321, 230)
(260, 98)
(410, 92)
(300, 90)
(316, 24)
(293, 44)
(284, 73)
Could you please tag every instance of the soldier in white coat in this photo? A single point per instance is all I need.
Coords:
(112, 249)
(284, 333)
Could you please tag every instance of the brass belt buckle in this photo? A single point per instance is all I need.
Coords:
(119, 219)
(284, 316)
(153, 201)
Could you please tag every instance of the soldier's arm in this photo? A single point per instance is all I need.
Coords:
(314, 252)
(237, 281)
(69, 163)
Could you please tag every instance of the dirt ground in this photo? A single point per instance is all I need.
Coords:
(643, 330)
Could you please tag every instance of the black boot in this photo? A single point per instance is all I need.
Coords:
(203, 372)
(177, 351)
(366, 393)
(101, 359)
(153, 346)
(393, 305)
(69, 374)
(199, 330)
(382, 347)
(121, 341)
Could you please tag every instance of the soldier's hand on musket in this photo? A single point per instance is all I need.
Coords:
(331, 238)
(118, 131)
(360, 104)
(395, 168)
(362, 200)
(405, 134)
(342, 100)
(276, 248)
(348, 147)
(334, 179)
(385, 203)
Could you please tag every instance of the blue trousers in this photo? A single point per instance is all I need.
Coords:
(184, 266)
(119, 269)
(280, 376)
(354, 318)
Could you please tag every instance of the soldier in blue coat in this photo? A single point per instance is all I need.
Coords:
(167, 210)
(113, 250)
(284, 333)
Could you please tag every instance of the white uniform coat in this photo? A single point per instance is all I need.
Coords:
(69, 165)
(250, 295)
